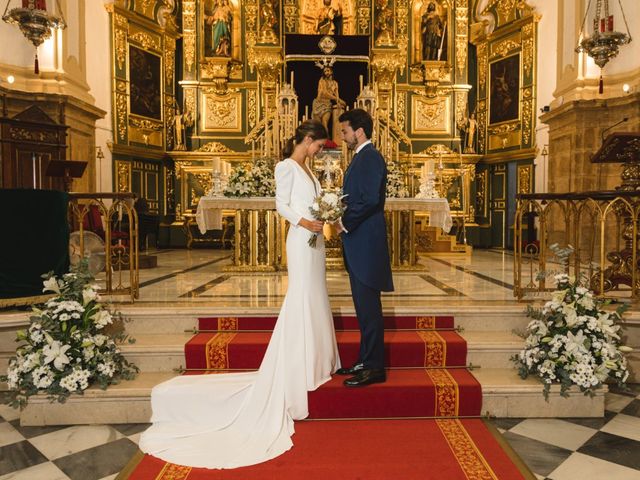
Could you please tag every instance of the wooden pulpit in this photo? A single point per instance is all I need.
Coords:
(67, 170)
(622, 147)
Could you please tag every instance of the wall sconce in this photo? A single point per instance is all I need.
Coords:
(34, 21)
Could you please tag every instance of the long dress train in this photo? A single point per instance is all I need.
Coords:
(239, 419)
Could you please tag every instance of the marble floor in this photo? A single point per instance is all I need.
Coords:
(558, 449)
(196, 277)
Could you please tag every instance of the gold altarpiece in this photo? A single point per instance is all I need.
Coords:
(224, 91)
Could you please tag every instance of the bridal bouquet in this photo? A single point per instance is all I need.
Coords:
(69, 344)
(327, 207)
(573, 340)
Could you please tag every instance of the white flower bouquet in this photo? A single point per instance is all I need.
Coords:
(573, 340)
(264, 183)
(71, 343)
(240, 183)
(396, 187)
(327, 207)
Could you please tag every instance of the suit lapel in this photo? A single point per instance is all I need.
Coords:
(353, 161)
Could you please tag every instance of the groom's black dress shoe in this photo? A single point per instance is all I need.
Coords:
(358, 367)
(366, 377)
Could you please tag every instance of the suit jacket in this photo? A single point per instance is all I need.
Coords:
(365, 245)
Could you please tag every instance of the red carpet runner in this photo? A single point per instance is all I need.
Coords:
(422, 381)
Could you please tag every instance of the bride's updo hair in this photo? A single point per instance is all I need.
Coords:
(311, 128)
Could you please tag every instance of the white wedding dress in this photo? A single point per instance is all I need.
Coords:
(238, 419)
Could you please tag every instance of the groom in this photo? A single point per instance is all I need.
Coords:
(364, 241)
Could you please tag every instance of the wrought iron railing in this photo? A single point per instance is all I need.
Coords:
(602, 228)
(105, 230)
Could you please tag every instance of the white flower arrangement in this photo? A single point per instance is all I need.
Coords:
(573, 340)
(70, 344)
(264, 183)
(327, 207)
(396, 187)
(255, 180)
(240, 183)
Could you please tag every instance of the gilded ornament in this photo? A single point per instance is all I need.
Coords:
(461, 107)
(505, 128)
(290, 18)
(504, 47)
(188, 15)
(145, 124)
(527, 110)
(527, 53)
(385, 63)
(268, 61)
(124, 176)
(524, 179)
(215, 147)
(121, 20)
(461, 37)
(146, 40)
(222, 113)
(483, 62)
(121, 113)
(482, 125)
(121, 47)
(437, 149)
(169, 61)
(189, 33)
(401, 101)
(252, 108)
(363, 20)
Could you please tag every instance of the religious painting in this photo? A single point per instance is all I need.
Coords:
(504, 90)
(328, 17)
(145, 77)
(221, 28)
(430, 29)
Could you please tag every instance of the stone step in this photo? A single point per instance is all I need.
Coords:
(165, 352)
(504, 394)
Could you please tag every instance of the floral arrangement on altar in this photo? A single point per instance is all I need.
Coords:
(255, 180)
(240, 183)
(70, 344)
(264, 183)
(572, 339)
(396, 187)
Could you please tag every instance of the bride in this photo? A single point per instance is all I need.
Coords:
(239, 419)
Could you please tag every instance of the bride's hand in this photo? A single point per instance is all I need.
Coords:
(314, 226)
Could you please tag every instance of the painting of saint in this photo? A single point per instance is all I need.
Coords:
(144, 75)
(504, 97)
(218, 28)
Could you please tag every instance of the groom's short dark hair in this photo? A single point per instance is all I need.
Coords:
(358, 118)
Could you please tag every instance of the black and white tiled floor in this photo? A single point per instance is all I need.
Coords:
(586, 449)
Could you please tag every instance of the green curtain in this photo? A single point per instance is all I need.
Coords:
(34, 239)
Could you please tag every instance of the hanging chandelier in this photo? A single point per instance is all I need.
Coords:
(34, 21)
(603, 44)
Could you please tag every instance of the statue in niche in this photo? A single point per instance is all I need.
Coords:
(469, 129)
(384, 23)
(328, 105)
(329, 19)
(433, 34)
(181, 121)
(268, 23)
(219, 21)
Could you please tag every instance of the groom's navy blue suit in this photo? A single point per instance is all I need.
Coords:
(366, 252)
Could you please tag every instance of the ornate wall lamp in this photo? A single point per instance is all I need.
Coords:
(34, 21)
(603, 44)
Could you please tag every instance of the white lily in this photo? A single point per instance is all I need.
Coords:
(51, 285)
(56, 353)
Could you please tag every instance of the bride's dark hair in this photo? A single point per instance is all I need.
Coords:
(311, 128)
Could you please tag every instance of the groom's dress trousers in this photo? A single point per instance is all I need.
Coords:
(365, 249)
